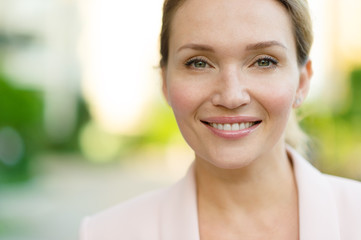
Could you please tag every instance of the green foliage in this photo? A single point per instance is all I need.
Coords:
(162, 126)
(21, 112)
(338, 135)
(160, 129)
(71, 143)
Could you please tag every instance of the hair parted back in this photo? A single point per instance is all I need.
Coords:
(298, 10)
(169, 9)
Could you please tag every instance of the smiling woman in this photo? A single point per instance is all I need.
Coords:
(233, 71)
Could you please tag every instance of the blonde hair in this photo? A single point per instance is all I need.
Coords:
(295, 136)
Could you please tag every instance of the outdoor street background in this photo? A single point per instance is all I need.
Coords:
(84, 126)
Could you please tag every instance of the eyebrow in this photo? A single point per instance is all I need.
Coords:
(262, 45)
(250, 47)
(199, 47)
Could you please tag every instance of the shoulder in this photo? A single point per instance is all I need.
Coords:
(347, 191)
(327, 201)
(126, 218)
(154, 215)
(345, 185)
(347, 194)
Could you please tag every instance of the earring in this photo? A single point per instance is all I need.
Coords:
(298, 101)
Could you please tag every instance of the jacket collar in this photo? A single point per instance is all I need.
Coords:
(179, 213)
(318, 218)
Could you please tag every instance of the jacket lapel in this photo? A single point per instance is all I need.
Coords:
(179, 214)
(318, 218)
(317, 204)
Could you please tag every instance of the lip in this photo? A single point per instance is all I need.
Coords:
(231, 134)
(235, 119)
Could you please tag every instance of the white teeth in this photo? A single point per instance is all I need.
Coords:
(227, 127)
(235, 127)
(232, 127)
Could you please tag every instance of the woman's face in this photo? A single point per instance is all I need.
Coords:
(232, 78)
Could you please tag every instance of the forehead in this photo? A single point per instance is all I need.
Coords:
(232, 22)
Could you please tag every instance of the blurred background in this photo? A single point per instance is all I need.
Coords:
(83, 124)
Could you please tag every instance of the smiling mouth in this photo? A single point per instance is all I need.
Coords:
(232, 126)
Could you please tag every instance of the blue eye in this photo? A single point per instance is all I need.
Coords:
(197, 63)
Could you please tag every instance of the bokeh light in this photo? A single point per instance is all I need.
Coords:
(118, 50)
(98, 145)
(11, 146)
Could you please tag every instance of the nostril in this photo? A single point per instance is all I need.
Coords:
(231, 99)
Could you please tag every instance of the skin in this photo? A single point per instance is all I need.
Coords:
(237, 58)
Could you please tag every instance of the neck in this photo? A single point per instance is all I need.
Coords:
(267, 182)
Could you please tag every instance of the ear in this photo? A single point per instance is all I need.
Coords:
(306, 72)
(164, 84)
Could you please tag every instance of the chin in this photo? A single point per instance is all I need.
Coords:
(229, 162)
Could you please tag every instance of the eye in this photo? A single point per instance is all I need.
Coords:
(197, 63)
(266, 62)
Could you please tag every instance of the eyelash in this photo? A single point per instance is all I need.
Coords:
(191, 61)
(272, 60)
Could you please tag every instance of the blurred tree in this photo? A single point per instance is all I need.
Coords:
(71, 143)
(21, 130)
(354, 111)
(337, 134)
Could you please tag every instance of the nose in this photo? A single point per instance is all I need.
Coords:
(231, 91)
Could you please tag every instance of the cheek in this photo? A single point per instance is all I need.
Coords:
(182, 98)
(277, 98)
(281, 100)
(185, 93)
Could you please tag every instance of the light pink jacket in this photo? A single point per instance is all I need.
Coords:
(329, 209)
